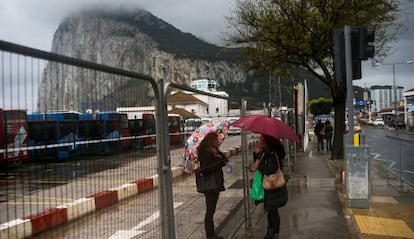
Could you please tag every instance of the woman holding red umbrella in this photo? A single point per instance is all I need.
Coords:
(266, 162)
(210, 179)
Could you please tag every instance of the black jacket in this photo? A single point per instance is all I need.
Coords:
(209, 177)
(268, 165)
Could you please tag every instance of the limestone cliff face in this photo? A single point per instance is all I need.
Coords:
(126, 41)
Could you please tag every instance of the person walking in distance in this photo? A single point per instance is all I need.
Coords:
(264, 152)
(328, 130)
(210, 179)
(319, 134)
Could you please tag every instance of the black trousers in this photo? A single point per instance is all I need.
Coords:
(211, 203)
(273, 220)
(328, 144)
(320, 143)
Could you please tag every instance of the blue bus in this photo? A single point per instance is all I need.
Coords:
(104, 132)
(54, 135)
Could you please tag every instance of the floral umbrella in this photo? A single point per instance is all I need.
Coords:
(189, 160)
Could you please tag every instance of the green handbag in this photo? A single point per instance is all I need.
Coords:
(257, 192)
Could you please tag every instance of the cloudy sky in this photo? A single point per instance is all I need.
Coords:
(33, 23)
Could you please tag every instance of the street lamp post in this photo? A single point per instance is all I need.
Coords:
(394, 86)
(395, 95)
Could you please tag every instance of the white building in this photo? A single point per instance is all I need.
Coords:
(201, 105)
(409, 108)
(383, 97)
(189, 103)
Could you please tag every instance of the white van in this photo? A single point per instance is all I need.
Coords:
(191, 124)
(233, 130)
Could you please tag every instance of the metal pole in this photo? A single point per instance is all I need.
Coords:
(164, 165)
(270, 94)
(349, 87)
(395, 96)
(401, 162)
(245, 160)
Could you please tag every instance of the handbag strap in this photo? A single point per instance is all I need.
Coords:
(277, 159)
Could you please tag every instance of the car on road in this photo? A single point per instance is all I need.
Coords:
(378, 122)
(357, 127)
(232, 129)
(400, 124)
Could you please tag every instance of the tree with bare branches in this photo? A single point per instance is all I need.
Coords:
(281, 35)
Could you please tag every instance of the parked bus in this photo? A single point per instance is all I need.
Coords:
(104, 132)
(54, 135)
(142, 129)
(14, 136)
(176, 129)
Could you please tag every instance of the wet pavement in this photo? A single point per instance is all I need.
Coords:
(134, 217)
(318, 206)
(314, 209)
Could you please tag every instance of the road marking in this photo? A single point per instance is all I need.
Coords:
(126, 234)
(392, 164)
(33, 203)
(35, 196)
(384, 226)
(376, 157)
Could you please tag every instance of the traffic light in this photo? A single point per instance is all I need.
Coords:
(366, 43)
(356, 61)
(362, 41)
(339, 53)
(362, 48)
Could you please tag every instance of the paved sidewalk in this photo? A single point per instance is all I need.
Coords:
(391, 206)
(318, 207)
(314, 209)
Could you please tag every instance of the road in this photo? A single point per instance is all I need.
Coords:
(138, 217)
(386, 145)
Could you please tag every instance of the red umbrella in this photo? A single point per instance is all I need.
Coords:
(264, 124)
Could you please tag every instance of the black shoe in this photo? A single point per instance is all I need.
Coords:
(257, 202)
(269, 234)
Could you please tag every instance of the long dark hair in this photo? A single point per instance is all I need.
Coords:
(274, 144)
(208, 141)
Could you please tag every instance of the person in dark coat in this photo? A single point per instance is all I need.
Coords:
(318, 130)
(210, 179)
(267, 164)
(328, 130)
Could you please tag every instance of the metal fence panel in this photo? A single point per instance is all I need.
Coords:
(399, 158)
(79, 152)
(69, 153)
(94, 155)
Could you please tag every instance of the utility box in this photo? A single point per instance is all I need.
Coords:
(358, 175)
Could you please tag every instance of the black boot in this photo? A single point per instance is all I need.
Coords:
(269, 234)
(209, 227)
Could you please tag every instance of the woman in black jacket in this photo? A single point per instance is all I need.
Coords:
(264, 156)
(209, 178)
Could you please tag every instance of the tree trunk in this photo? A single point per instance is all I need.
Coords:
(338, 143)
